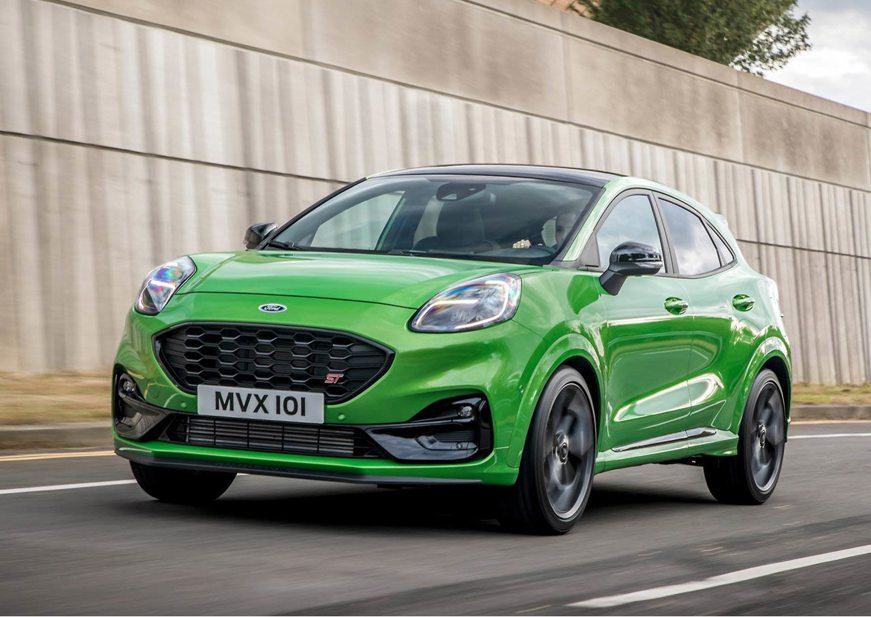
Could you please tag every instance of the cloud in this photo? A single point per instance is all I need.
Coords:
(839, 65)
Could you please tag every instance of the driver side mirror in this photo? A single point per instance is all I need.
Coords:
(255, 234)
(630, 259)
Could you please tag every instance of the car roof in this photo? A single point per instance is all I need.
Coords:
(542, 172)
(631, 182)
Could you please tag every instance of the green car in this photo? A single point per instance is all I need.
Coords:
(514, 326)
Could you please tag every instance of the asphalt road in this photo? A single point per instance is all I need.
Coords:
(284, 546)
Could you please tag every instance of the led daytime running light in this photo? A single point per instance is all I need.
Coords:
(470, 306)
(161, 283)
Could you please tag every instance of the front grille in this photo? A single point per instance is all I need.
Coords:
(271, 357)
(314, 440)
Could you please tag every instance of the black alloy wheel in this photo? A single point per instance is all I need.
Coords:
(750, 477)
(556, 471)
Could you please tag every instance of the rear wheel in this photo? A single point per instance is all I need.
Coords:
(750, 477)
(556, 471)
(181, 485)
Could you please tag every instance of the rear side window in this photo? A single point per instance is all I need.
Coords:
(694, 249)
(726, 254)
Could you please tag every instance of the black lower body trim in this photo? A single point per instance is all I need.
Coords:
(264, 470)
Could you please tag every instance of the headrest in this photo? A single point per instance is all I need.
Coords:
(459, 226)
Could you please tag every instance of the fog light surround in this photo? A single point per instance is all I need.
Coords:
(133, 417)
(451, 430)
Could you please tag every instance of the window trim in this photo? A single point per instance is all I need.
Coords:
(716, 234)
(708, 227)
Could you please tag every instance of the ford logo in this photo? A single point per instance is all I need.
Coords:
(272, 308)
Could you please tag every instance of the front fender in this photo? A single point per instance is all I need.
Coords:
(550, 357)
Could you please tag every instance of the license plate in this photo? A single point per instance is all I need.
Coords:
(257, 404)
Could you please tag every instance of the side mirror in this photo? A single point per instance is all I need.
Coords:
(630, 259)
(255, 234)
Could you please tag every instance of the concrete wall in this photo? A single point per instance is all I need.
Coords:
(131, 133)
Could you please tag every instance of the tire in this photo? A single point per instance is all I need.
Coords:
(181, 485)
(556, 471)
(750, 477)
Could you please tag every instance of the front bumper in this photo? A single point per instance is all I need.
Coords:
(143, 434)
(451, 430)
(426, 369)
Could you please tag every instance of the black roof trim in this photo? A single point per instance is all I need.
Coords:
(563, 174)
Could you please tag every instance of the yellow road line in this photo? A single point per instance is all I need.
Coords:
(50, 455)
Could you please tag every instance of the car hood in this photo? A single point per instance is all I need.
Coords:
(397, 280)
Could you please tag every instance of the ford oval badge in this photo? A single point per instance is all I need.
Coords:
(272, 308)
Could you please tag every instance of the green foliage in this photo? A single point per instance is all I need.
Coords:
(750, 35)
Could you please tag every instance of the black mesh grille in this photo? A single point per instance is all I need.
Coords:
(270, 437)
(271, 357)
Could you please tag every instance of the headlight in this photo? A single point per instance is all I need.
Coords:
(161, 283)
(470, 305)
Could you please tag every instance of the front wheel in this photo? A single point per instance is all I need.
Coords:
(556, 471)
(750, 477)
(181, 485)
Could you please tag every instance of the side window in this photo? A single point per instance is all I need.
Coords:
(726, 254)
(631, 220)
(694, 250)
(360, 226)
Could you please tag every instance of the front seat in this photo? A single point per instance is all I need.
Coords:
(459, 228)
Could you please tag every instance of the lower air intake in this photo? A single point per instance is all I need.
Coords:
(233, 434)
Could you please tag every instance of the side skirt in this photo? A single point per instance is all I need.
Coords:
(675, 446)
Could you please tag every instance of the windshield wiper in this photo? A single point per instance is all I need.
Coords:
(437, 254)
(285, 246)
(411, 252)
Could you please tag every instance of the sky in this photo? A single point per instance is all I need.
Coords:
(838, 67)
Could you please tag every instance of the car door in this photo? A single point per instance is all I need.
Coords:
(644, 332)
(722, 297)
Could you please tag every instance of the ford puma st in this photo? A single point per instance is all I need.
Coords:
(515, 326)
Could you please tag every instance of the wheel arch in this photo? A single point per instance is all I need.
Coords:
(574, 350)
(591, 376)
(773, 354)
(779, 367)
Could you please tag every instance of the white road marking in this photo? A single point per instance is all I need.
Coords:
(723, 579)
(62, 487)
(801, 422)
(829, 436)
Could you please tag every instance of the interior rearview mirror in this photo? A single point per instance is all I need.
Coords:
(629, 259)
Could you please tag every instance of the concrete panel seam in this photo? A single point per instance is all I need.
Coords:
(73, 5)
(742, 142)
(802, 248)
(8, 253)
(863, 325)
(468, 99)
(868, 147)
(634, 55)
(569, 91)
(166, 157)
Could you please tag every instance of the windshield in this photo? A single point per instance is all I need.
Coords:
(518, 220)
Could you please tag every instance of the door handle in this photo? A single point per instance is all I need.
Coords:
(676, 306)
(743, 302)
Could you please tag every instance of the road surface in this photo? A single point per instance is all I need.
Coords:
(79, 537)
